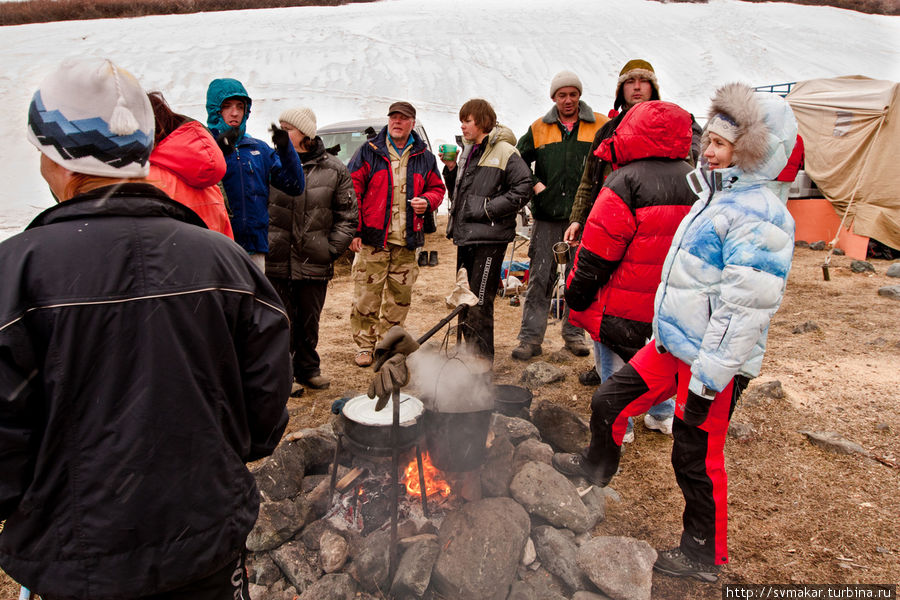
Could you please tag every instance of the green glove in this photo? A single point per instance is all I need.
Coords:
(396, 341)
(391, 376)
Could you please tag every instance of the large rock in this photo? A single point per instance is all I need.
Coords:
(371, 562)
(560, 427)
(621, 567)
(514, 428)
(414, 571)
(890, 291)
(277, 523)
(497, 471)
(541, 373)
(547, 493)
(556, 551)
(481, 545)
(833, 442)
(262, 570)
(333, 551)
(334, 586)
(297, 563)
(280, 476)
(532, 450)
(893, 270)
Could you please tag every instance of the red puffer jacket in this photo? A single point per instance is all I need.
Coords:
(373, 181)
(187, 165)
(611, 287)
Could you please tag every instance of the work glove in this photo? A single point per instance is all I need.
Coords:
(227, 139)
(696, 409)
(280, 138)
(391, 376)
(396, 341)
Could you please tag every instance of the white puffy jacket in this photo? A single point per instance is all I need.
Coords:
(725, 273)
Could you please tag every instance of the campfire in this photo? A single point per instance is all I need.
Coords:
(434, 483)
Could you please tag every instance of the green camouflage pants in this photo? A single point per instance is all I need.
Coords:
(382, 291)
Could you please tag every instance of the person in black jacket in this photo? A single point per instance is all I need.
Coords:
(306, 234)
(143, 361)
(489, 184)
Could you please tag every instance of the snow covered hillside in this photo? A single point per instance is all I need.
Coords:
(351, 61)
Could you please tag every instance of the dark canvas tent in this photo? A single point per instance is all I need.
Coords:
(851, 129)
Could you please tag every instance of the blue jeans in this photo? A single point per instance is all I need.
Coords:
(608, 362)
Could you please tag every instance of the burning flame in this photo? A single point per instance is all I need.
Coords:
(434, 484)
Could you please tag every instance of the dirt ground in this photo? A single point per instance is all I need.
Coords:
(797, 513)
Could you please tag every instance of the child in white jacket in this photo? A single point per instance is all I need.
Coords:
(723, 279)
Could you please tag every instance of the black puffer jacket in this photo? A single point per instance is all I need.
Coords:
(307, 232)
(487, 196)
(143, 360)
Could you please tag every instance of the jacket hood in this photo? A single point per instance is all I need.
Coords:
(767, 131)
(191, 153)
(502, 133)
(654, 129)
(220, 90)
(584, 113)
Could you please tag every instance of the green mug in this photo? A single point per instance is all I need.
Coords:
(448, 151)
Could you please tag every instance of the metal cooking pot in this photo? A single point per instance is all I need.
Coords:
(371, 430)
(511, 400)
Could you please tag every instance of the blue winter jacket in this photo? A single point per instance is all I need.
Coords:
(725, 273)
(251, 168)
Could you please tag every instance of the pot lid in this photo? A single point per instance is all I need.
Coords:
(361, 409)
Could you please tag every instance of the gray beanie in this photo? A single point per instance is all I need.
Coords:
(302, 118)
(564, 79)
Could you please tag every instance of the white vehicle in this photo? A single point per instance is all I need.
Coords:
(353, 134)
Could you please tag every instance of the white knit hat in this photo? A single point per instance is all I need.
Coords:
(723, 125)
(92, 117)
(302, 118)
(564, 79)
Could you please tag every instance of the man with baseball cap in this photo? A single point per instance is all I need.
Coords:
(397, 182)
(143, 361)
(556, 144)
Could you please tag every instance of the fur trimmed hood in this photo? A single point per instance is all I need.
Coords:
(767, 129)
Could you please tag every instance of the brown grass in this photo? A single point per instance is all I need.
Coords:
(875, 7)
(44, 11)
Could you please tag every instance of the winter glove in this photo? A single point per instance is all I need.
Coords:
(696, 409)
(227, 139)
(392, 376)
(396, 341)
(280, 138)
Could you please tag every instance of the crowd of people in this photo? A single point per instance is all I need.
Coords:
(154, 322)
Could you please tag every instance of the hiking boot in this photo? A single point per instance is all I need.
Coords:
(575, 465)
(674, 562)
(298, 392)
(660, 425)
(578, 347)
(432, 258)
(628, 437)
(317, 382)
(589, 378)
(364, 358)
(423, 258)
(524, 351)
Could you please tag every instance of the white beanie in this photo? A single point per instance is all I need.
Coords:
(564, 79)
(92, 117)
(723, 125)
(304, 119)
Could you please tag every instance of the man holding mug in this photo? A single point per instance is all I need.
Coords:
(488, 185)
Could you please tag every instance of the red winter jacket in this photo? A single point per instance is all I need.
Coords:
(187, 165)
(617, 268)
(373, 181)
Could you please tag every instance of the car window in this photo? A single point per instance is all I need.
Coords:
(350, 142)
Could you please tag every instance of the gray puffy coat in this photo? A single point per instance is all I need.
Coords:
(308, 232)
